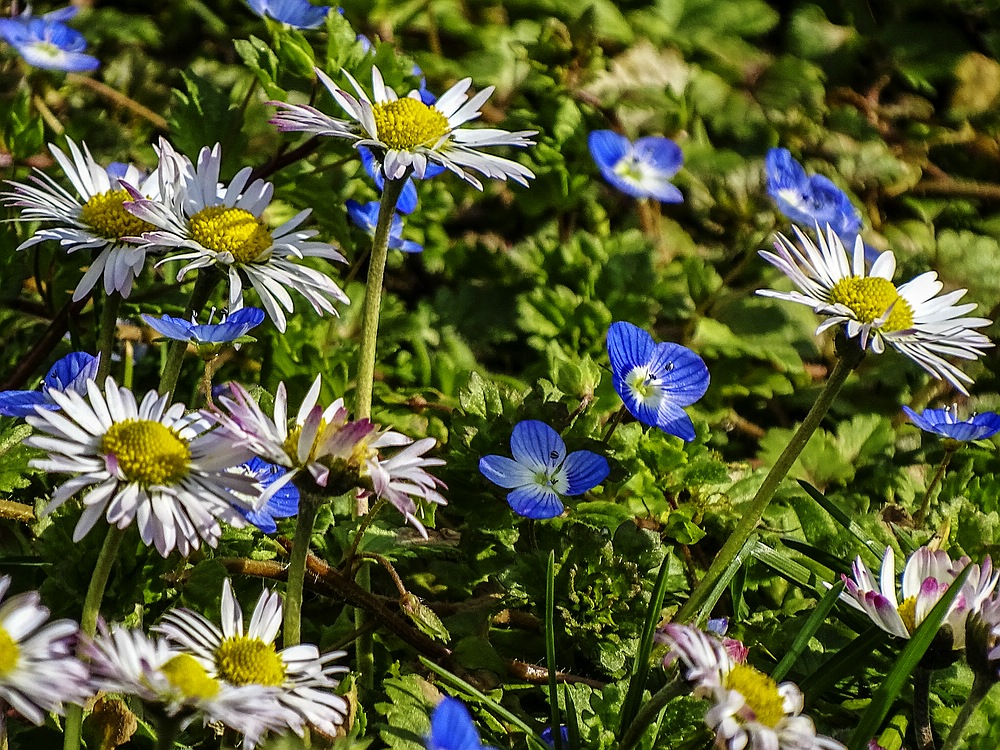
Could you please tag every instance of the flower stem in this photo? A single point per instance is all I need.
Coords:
(648, 713)
(203, 288)
(373, 297)
(922, 728)
(849, 359)
(106, 334)
(308, 509)
(980, 687)
(918, 519)
(88, 622)
(616, 419)
(168, 728)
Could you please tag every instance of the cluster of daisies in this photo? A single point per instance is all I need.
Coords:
(750, 709)
(190, 668)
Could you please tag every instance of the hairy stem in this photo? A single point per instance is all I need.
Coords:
(106, 334)
(88, 622)
(202, 292)
(308, 508)
(373, 298)
(980, 687)
(918, 519)
(755, 510)
(648, 713)
(922, 728)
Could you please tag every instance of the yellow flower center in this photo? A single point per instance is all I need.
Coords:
(189, 677)
(869, 298)
(9, 653)
(759, 691)
(147, 452)
(231, 230)
(107, 217)
(249, 661)
(908, 613)
(404, 124)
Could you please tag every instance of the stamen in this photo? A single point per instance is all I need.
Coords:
(231, 230)
(759, 691)
(107, 217)
(241, 660)
(407, 123)
(870, 298)
(10, 653)
(147, 452)
(908, 613)
(187, 675)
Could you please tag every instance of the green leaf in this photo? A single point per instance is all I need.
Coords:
(816, 619)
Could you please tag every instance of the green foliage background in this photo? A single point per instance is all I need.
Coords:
(503, 318)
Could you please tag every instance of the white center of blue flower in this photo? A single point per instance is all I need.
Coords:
(629, 168)
(646, 386)
(48, 49)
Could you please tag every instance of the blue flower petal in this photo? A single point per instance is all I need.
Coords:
(535, 501)
(628, 347)
(407, 201)
(282, 504)
(944, 423)
(22, 403)
(537, 446)
(584, 471)
(832, 206)
(661, 153)
(230, 328)
(364, 215)
(452, 728)
(673, 420)
(549, 740)
(682, 372)
(505, 472)
(72, 371)
(608, 148)
(62, 14)
(299, 14)
(169, 326)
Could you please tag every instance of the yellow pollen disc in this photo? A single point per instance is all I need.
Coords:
(759, 691)
(404, 124)
(869, 298)
(107, 217)
(147, 452)
(908, 613)
(9, 653)
(187, 675)
(231, 230)
(249, 661)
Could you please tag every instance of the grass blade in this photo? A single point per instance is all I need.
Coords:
(572, 720)
(491, 705)
(550, 649)
(808, 630)
(908, 660)
(842, 663)
(640, 667)
(727, 575)
(844, 520)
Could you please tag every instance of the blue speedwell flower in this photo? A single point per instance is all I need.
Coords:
(230, 328)
(642, 169)
(299, 14)
(945, 422)
(70, 373)
(452, 728)
(46, 42)
(284, 503)
(656, 380)
(365, 216)
(809, 200)
(549, 739)
(540, 472)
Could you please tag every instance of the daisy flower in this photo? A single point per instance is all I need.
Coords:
(749, 709)
(407, 133)
(540, 472)
(809, 200)
(300, 675)
(337, 453)
(912, 318)
(642, 169)
(208, 226)
(38, 672)
(70, 373)
(92, 217)
(46, 42)
(130, 662)
(452, 728)
(143, 462)
(407, 201)
(946, 424)
(656, 380)
(926, 577)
